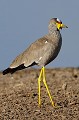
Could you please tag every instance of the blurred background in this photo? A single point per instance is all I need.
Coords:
(24, 21)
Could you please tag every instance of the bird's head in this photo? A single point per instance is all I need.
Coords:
(58, 23)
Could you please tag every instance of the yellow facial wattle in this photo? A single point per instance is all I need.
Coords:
(60, 26)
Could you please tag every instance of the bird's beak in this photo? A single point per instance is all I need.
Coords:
(60, 26)
(63, 26)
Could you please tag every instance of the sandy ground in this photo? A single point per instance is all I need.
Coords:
(19, 95)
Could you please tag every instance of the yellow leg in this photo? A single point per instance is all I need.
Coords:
(39, 80)
(44, 80)
(42, 76)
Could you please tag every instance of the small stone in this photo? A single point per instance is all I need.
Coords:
(64, 86)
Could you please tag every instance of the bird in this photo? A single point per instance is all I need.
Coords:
(41, 52)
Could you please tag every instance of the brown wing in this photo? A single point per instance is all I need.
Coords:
(31, 54)
(41, 52)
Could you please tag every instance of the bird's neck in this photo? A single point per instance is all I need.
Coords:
(53, 30)
(54, 33)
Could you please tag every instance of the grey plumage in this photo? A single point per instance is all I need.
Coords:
(41, 52)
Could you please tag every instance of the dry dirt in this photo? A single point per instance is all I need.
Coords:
(19, 95)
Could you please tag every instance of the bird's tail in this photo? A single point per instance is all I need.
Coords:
(8, 70)
(12, 70)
